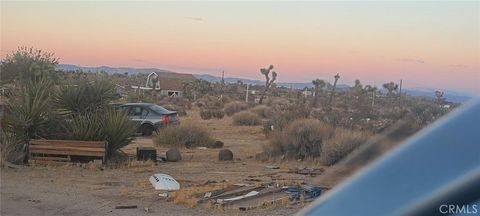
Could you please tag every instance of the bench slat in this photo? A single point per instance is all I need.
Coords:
(67, 148)
(50, 158)
(73, 143)
(67, 152)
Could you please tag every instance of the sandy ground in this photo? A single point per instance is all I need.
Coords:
(72, 190)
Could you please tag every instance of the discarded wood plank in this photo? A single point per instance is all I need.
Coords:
(126, 207)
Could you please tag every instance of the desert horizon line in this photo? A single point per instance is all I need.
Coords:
(259, 78)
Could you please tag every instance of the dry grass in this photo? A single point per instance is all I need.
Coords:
(246, 118)
(189, 196)
(234, 107)
(184, 135)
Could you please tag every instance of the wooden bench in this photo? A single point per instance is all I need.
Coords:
(63, 150)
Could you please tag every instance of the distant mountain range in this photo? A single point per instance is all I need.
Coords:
(421, 92)
(110, 70)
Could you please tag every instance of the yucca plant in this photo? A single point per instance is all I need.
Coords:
(31, 111)
(109, 125)
(84, 96)
(118, 129)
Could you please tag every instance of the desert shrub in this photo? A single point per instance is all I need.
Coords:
(180, 110)
(113, 126)
(184, 135)
(246, 118)
(234, 107)
(263, 111)
(341, 144)
(206, 114)
(286, 113)
(12, 150)
(301, 139)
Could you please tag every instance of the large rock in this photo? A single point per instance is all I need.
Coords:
(225, 155)
(173, 155)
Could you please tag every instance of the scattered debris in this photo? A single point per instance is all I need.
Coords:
(272, 167)
(34, 200)
(165, 182)
(242, 185)
(308, 192)
(126, 207)
(225, 155)
(207, 195)
(202, 148)
(173, 155)
(165, 195)
(249, 194)
(308, 171)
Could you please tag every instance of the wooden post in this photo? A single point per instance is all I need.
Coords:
(246, 97)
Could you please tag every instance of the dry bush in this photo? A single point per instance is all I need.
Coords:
(180, 110)
(263, 111)
(341, 144)
(234, 107)
(212, 102)
(184, 135)
(206, 114)
(301, 139)
(246, 118)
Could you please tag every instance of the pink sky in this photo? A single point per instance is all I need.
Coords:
(427, 44)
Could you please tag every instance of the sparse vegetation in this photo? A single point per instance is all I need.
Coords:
(263, 111)
(185, 135)
(234, 107)
(246, 118)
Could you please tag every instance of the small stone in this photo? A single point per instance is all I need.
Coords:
(173, 155)
(225, 155)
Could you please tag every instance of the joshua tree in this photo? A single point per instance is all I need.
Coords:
(440, 98)
(268, 81)
(391, 86)
(319, 85)
(337, 76)
(371, 89)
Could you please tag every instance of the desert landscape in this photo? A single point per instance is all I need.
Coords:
(228, 108)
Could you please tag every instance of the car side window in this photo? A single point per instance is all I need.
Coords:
(135, 111)
(144, 112)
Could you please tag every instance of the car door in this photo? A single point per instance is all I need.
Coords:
(137, 114)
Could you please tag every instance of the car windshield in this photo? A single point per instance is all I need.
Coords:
(158, 109)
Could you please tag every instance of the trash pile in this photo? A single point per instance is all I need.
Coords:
(251, 197)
